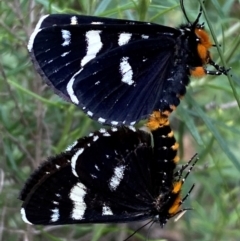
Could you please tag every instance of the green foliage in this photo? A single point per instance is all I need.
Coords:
(35, 123)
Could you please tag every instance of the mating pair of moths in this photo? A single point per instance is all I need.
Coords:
(118, 72)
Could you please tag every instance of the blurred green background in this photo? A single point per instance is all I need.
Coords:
(35, 123)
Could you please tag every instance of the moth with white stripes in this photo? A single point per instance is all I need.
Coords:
(119, 71)
(116, 175)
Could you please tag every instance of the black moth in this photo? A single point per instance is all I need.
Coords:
(119, 71)
(115, 175)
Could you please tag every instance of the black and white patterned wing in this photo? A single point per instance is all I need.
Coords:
(100, 179)
(106, 65)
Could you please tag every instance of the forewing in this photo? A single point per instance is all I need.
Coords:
(106, 181)
(103, 65)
